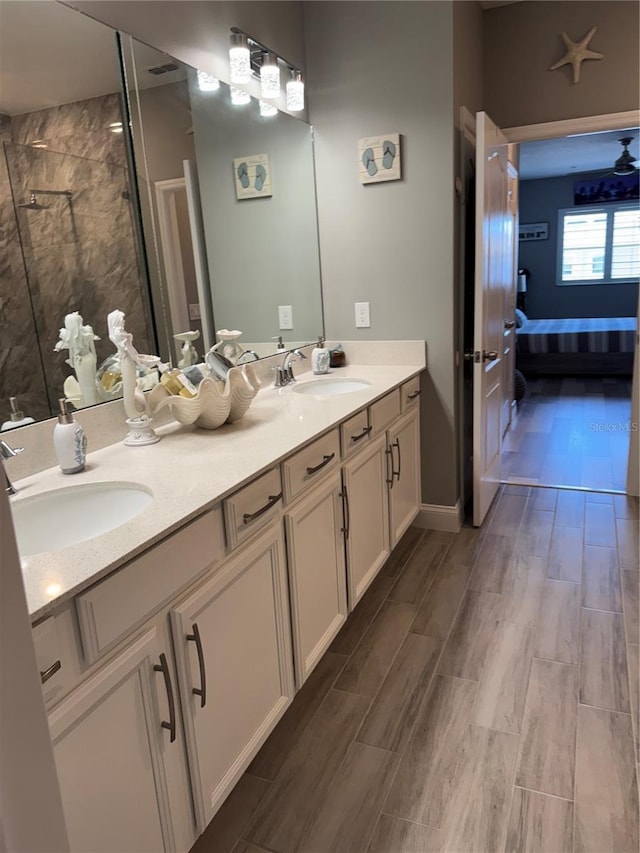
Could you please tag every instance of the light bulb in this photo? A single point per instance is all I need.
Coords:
(295, 93)
(239, 59)
(270, 77)
(267, 109)
(239, 97)
(207, 83)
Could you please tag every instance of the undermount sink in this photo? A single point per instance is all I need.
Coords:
(74, 514)
(331, 387)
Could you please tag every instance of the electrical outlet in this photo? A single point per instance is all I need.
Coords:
(194, 310)
(363, 316)
(285, 316)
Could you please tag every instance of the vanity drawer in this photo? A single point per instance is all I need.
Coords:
(310, 463)
(253, 506)
(110, 609)
(355, 432)
(384, 411)
(410, 393)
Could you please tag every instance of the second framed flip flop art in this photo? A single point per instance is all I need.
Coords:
(379, 158)
(252, 176)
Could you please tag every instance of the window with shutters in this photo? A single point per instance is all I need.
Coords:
(598, 245)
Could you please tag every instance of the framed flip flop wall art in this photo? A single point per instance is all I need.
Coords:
(252, 176)
(379, 158)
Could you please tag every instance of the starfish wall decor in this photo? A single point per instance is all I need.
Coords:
(576, 53)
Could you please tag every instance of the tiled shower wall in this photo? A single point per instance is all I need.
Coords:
(79, 252)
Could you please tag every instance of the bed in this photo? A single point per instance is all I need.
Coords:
(602, 345)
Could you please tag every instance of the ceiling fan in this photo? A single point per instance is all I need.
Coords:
(624, 163)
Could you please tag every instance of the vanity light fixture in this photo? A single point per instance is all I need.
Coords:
(295, 92)
(239, 97)
(115, 127)
(207, 83)
(266, 66)
(267, 110)
(239, 57)
(270, 76)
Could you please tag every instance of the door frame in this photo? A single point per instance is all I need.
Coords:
(595, 124)
(171, 253)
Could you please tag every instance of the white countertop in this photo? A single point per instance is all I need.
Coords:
(188, 471)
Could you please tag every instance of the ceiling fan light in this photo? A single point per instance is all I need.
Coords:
(624, 163)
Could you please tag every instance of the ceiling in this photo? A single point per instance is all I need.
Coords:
(590, 152)
(42, 46)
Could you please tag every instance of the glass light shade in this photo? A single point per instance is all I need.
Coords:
(295, 93)
(207, 83)
(239, 97)
(270, 77)
(239, 59)
(267, 109)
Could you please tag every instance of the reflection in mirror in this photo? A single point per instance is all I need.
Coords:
(247, 257)
(68, 238)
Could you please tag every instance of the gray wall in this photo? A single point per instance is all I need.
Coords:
(390, 69)
(540, 201)
(522, 40)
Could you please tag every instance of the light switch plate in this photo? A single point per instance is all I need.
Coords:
(194, 310)
(363, 315)
(285, 316)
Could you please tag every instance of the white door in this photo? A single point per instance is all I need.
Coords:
(317, 578)
(108, 743)
(494, 253)
(404, 488)
(633, 466)
(232, 640)
(365, 479)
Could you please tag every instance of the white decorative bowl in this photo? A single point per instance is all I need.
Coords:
(215, 403)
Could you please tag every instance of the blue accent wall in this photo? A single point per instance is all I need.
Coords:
(540, 201)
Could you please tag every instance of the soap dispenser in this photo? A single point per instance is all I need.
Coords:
(69, 441)
(16, 417)
(320, 358)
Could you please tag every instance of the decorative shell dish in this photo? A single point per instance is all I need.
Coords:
(216, 402)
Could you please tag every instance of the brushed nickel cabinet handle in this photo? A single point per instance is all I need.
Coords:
(389, 458)
(250, 516)
(414, 395)
(202, 690)
(163, 667)
(325, 461)
(396, 474)
(51, 671)
(344, 494)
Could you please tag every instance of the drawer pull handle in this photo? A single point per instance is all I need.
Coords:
(396, 474)
(250, 516)
(365, 432)
(202, 690)
(414, 395)
(51, 671)
(325, 461)
(163, 667)
(344, 494)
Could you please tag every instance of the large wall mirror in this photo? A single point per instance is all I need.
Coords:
(68, 230)
(248, 252)
(70, 235)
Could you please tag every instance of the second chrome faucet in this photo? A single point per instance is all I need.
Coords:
(284, 373)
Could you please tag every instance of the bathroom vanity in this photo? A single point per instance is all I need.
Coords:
(170, 647)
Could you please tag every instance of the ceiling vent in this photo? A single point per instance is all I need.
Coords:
(167, 68)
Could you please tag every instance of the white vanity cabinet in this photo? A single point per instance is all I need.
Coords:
(111, 753)
(315, 556)
(403, 451)
(366, 499)
(232, 639)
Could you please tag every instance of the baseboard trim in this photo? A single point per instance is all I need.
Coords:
(435, 517)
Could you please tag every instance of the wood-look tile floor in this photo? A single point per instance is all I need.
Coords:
(493, 709)
(571, 432)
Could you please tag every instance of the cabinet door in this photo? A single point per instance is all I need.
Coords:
(404, 488)
(232, 640)
(315, 550)
(108, 746)
(366, 505)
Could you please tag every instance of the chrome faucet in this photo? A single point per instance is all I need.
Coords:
(251, 356)
(8, 453)
(284, 373)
